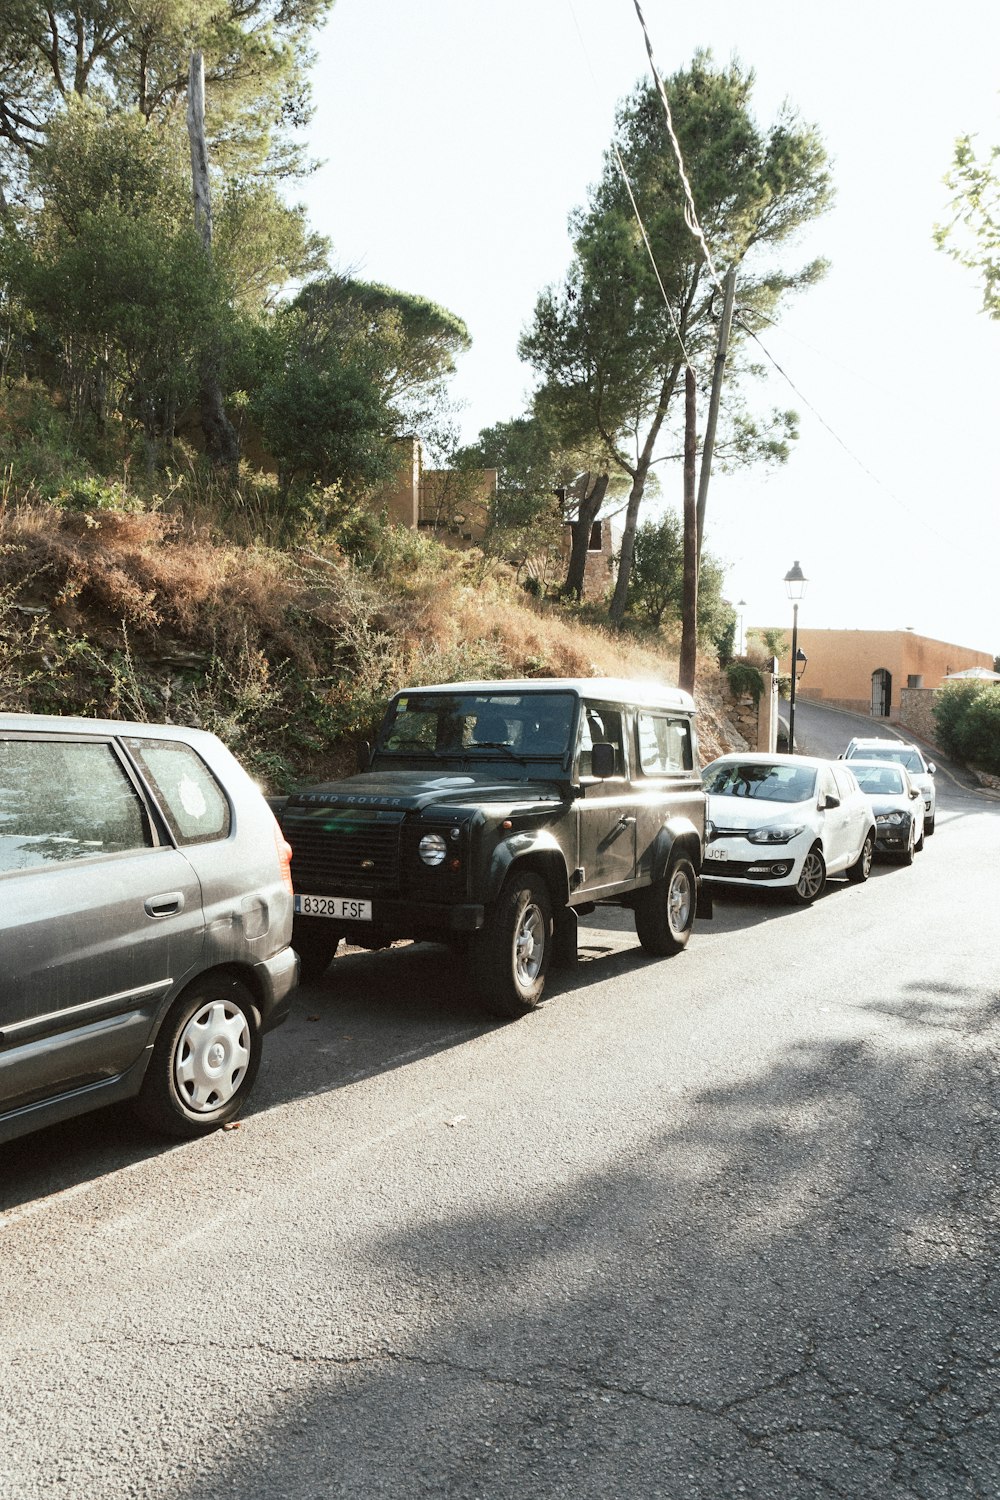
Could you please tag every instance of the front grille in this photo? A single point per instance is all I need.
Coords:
(347, 850)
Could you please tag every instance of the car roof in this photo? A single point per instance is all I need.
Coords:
(641, 691)
(876, 741)
(72, 724)
(859, 762)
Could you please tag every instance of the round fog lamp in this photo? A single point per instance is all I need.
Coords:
(432, 849)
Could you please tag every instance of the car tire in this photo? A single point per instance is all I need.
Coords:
(204, 1061)
(918, 842)
(929, 826)
(906, 858)
(316, 947)
(665, 910)
(862, 866)
(511, 953)
(812, 878)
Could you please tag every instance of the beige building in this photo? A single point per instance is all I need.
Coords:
(869, 670)
(454, 505)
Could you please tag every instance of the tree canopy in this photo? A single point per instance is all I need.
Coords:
(607, 347)
(971, 233)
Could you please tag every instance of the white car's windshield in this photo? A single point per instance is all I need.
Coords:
(768, 783)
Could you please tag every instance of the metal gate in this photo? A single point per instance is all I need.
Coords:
(881, 693)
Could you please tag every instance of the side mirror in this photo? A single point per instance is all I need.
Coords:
(931, 767)
(830, 801)
(602, 760)
(364, 758)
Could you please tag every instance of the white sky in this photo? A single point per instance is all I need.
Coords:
(457, 135)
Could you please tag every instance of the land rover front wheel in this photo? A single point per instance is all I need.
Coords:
(511, 954)
(664, 912)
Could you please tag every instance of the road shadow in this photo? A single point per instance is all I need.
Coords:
(788, 1293)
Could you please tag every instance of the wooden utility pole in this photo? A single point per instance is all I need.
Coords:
(729, 288)
(689, 608)
(221, 441)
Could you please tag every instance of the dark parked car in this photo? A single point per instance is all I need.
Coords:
(492, 814)
(145, 923)
(911, 757)
(898, 806)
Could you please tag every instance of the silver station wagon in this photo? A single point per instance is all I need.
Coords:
(145, 923)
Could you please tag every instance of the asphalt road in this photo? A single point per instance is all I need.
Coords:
(723, 1225)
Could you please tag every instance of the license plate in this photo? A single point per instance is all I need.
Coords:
(720, 855)
(341, 908)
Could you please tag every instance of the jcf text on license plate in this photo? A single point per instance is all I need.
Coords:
(342, 908)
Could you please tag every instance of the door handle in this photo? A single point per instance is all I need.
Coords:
(167, 905)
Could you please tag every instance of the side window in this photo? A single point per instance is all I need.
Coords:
(62, 800)
(193, 802)
(846, 783)
(664, 744)
(600, 724)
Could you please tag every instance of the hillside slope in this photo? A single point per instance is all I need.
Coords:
(288, 655)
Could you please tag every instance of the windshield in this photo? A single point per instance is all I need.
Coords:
(879, 779)
(519, 725)
(767, 782)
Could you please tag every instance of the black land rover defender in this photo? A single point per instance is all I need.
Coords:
(492, 814)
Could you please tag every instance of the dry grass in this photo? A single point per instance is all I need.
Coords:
(289, 655)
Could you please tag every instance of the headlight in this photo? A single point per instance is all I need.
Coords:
(891, 819)
(432, 849)
(775, 835)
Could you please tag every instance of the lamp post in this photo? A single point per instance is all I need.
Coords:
(741, 605)
(795, 587)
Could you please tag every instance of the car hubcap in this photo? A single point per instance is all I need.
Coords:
(809, 880)
(679, 902)
(529, 945)
(212, 1056)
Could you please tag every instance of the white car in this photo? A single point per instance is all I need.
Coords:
(786, 821)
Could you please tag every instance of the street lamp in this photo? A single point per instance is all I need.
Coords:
(795, 587)
(741, 605)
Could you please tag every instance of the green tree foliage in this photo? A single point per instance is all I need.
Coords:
(656, 581)
(604, 344)
(405, 344)
(133, 55)
(109, 276)
(525, 522)
(967, 716)
(971, 232)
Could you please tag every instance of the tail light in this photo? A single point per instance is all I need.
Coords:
(283, 849)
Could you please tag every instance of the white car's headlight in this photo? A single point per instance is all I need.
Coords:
(432, 849)
(777, 834)
(891, 819)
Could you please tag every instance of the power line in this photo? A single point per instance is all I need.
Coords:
(690, 211)
(635, 209)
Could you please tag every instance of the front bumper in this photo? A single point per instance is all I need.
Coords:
(770, 867)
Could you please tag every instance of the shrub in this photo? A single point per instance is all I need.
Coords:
(967, 716)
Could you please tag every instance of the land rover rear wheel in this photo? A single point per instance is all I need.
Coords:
(511, 953)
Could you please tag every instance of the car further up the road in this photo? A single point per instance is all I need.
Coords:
(901, 753)
(786, 821)
(490, 815)
(145, 924)
(898, 806)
